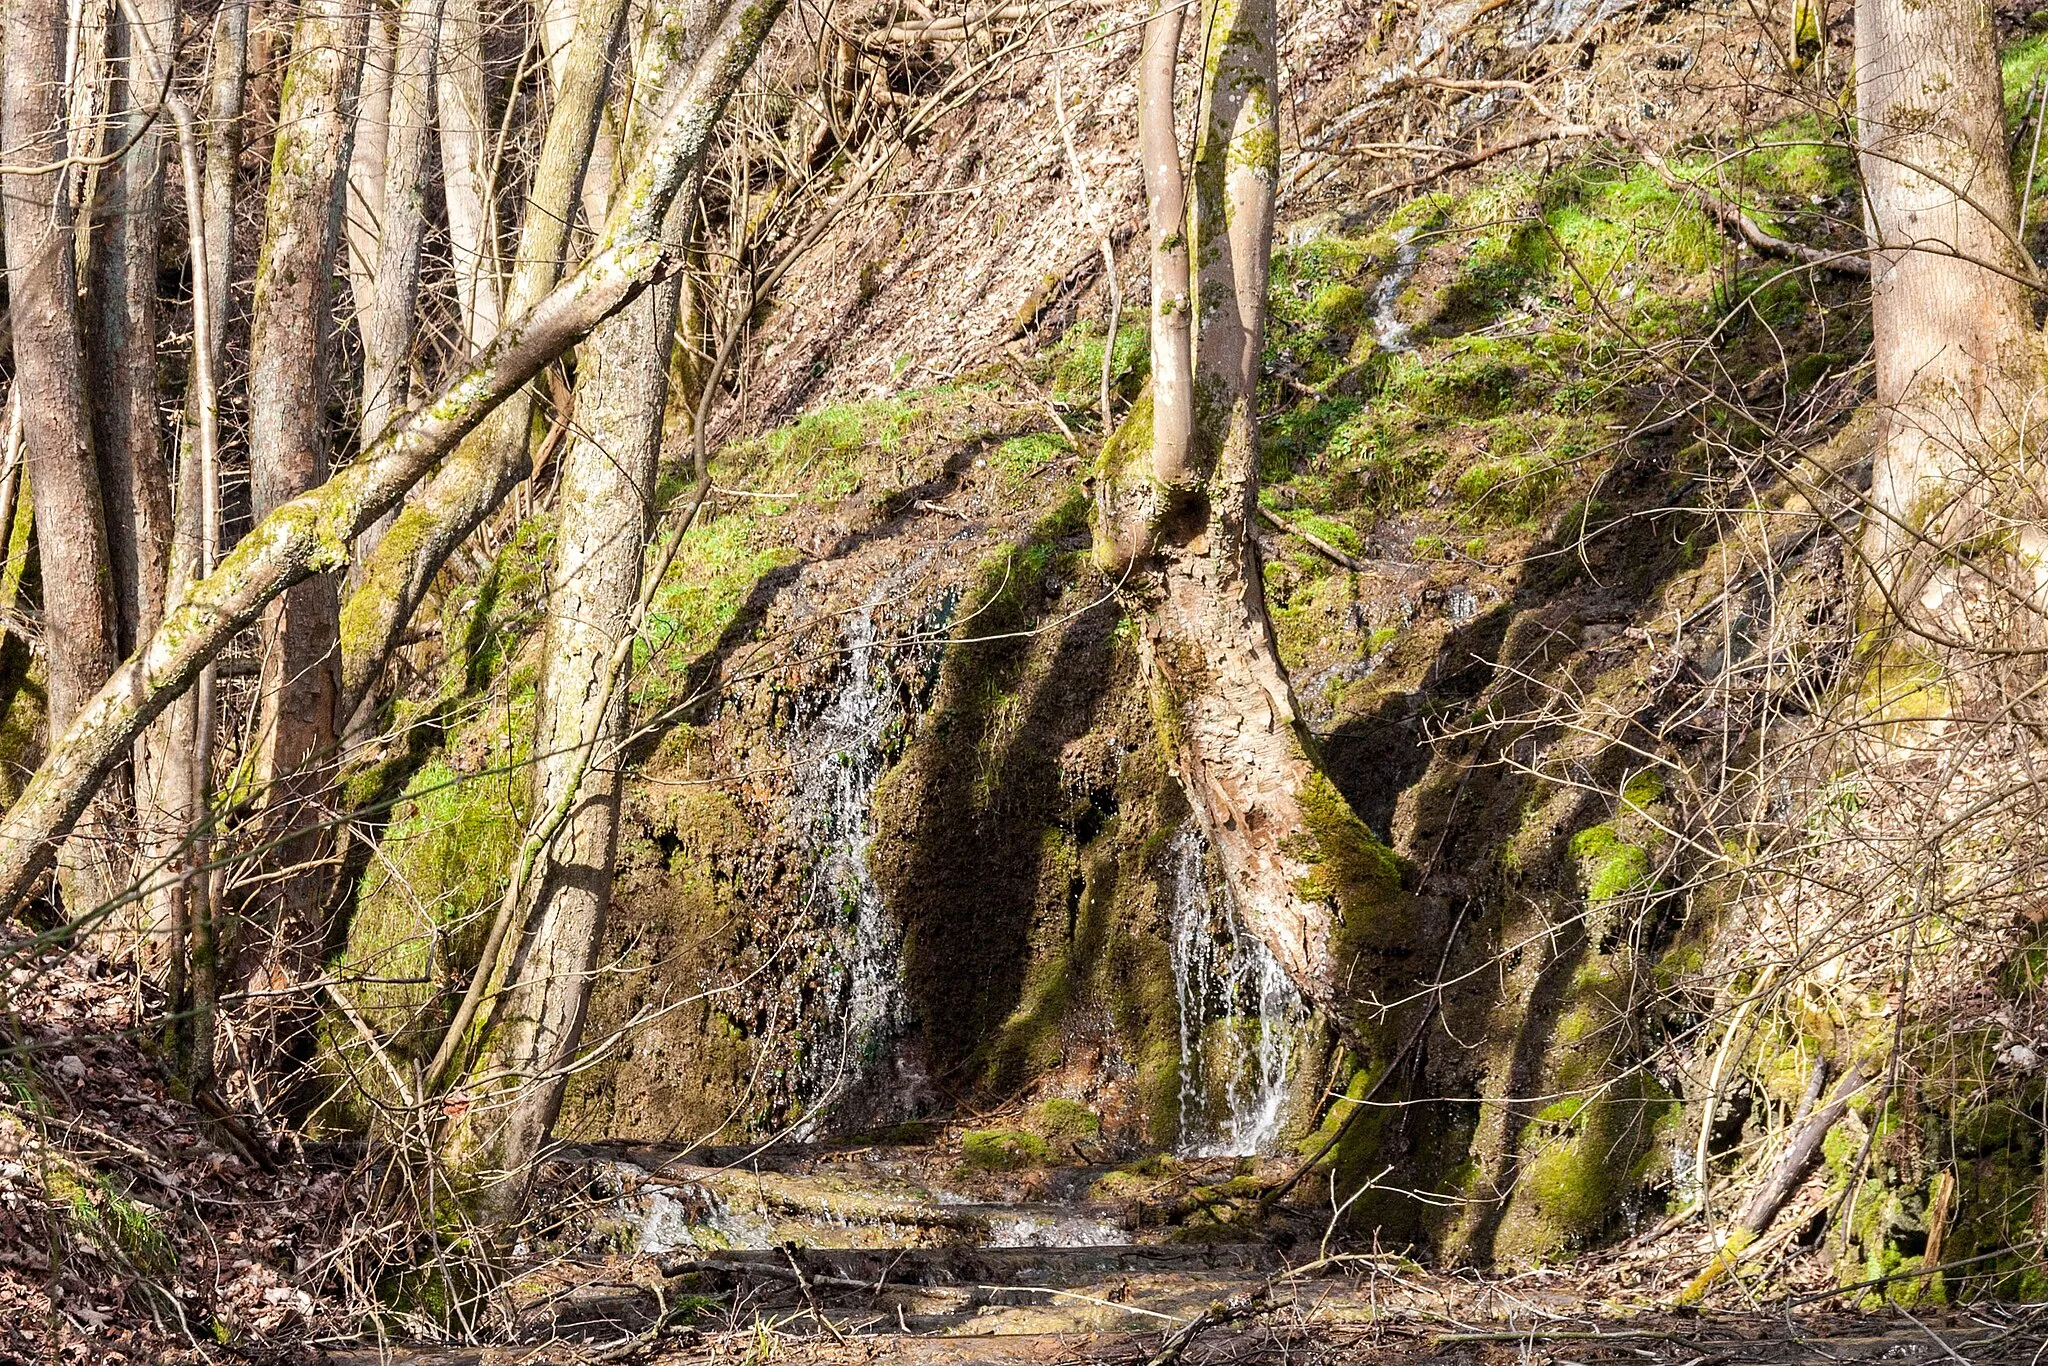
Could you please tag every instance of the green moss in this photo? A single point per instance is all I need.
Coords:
(99, 1211)
(1002, 1150)
(1644, 789)
(1609, 867)
(1581, 1157)
(1060, 1120)
(1020, 457)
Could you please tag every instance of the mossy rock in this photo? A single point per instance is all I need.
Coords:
(1003, 1150)
(1065, 1122)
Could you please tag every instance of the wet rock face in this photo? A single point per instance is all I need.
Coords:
(904, 850)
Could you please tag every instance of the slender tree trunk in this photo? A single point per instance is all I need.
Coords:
(81, 608)
(493, 461)
(127, 419)
(465, 176)
(289, 334)
(183, 902)
(1959, 363)
(1304, 873)
(385, 318)
(606, 499)
(1173, 351)
(311, 535)
(363, 211)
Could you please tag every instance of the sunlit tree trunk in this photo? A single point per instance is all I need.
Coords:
(606, 508)
(465, 178)
(395, 579)
(80, 604)
(385, 317)
(1958, 361)
(1179, 487)
(289, 334)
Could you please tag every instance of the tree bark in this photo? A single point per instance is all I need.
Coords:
(81, 608)
(465, 177)
(127, 428)
(363, 212)
(1957, 357)
(606, 499)
(290, 326)
(385, 319)
(312, 533)
(1304, 874)
(1173, 355)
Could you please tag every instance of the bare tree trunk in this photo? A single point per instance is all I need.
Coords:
(386, 317)
(311, 535)
(363, 211)
(465, 178)
(606, 499)
(1305, 875)
(289, 331)
(1173, 352)
(79, 604)
(127, 435)
(182, 903)
(1958, 359)
(493, 461)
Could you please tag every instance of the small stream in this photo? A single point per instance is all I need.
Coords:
(1387, 328)
(1242, 1023)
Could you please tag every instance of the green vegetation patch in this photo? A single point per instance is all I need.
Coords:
(1003, 1150)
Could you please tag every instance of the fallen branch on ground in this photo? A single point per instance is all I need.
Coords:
(1731, 217)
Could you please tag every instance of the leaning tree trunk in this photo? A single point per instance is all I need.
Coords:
(1179, 490)
(605, 495)
(290, 325)
(606, 499)
(1958, 361)
(80, 608)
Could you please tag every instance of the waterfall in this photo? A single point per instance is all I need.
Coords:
(839, 755)
(1387, 328)
(1241, 1020)
(839, 761)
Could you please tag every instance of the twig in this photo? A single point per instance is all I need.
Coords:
(1315, 542)
(1216, 1315)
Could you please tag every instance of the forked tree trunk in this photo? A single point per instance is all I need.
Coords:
(1959, 363)
(289, 329)
(1304, 874)
(80, 606)
(606, 500)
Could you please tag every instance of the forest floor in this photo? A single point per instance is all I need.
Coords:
(1358, 1312)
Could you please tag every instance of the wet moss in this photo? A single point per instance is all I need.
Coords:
(1003, 1150)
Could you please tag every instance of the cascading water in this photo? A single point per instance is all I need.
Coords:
(843, 762)
(839, 755)
(1241, 1020)
(1387, 328)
